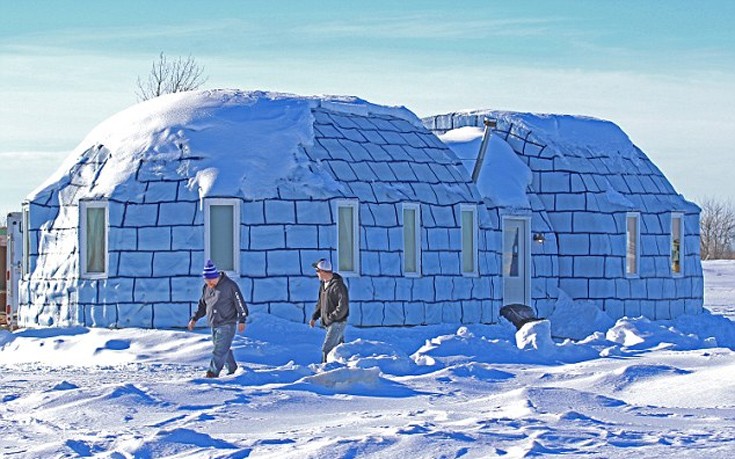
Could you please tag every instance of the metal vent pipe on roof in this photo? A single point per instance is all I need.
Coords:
(489, 126)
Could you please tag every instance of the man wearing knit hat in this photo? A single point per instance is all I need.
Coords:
(226, 311)
(333, 306)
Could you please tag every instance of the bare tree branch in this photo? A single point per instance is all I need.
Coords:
(170, 76)
(716, 228)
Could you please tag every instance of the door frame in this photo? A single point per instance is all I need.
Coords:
(526, 227)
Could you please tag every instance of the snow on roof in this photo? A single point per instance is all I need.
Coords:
(504, 178)
(575, 135)
(570, 134)
(240, 143)
(622, 173)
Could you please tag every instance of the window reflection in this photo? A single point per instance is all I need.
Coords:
(510, 254)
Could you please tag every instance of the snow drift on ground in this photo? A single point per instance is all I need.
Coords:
(637, 388)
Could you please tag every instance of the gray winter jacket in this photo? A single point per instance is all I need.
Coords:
(222, 304)
(334, 302)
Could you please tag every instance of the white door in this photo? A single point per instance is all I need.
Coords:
(13, 265)
(516, 261)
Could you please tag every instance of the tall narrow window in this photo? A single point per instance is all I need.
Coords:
(511, 255)
(93, 238)
(411, 239)
(469, 240)
(26, 236)
(632, 250)
(347, 237)
(222, 233)
(677, 240)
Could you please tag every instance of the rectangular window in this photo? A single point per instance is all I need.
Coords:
(93, 238)
(347, 237)
(632, 246)
(25, 229)
(222, 234)
(677, 240)
(411, 239)
(512, 240)
(469, 239)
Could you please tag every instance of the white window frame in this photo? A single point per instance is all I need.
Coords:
(83, 206)
(674, 216)
(416, 208)
(472, 209)
(236, 241)
(637, 217)
(26, 240)
(355, 249)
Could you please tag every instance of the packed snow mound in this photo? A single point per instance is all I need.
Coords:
(536, 335)
(709, 328)
(531, 344)
(640, 333)
(577, 319)
(633, 374)
(354, 381)
(239, 143)
(362, 353)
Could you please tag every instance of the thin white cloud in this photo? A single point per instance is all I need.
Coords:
(73, 37)
(427, 26)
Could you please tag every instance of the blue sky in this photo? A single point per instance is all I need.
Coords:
(662, 70)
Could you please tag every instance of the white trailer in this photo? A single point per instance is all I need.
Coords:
(13, 269)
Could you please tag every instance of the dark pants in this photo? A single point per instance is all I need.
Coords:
(334, 337)
(222, 337)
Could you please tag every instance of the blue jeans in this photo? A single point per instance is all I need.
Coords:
(334, 337)
(222, 337)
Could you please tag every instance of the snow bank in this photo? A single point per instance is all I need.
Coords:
(536, 335)
(641, 333)
(531, 344)
(577, 319)
(353, 381)
(80, 346)
(362, 353)
(687, 332)
(710, 328)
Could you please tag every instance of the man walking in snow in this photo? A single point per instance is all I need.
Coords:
(333, 306)
(226, 311)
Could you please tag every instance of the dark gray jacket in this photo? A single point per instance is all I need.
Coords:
(223, 304)
(333, 304)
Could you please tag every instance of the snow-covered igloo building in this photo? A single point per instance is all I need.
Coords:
(264, 184)
(584, 214)
(440, 220)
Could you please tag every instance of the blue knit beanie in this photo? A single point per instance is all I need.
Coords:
(210, 271)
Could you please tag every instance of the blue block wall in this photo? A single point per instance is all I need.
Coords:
(156, 237)
(582, 198)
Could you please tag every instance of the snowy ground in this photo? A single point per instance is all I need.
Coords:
(642, 389)
(719, 287)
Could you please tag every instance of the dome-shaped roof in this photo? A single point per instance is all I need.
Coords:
(227, 142)
(617, 171)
